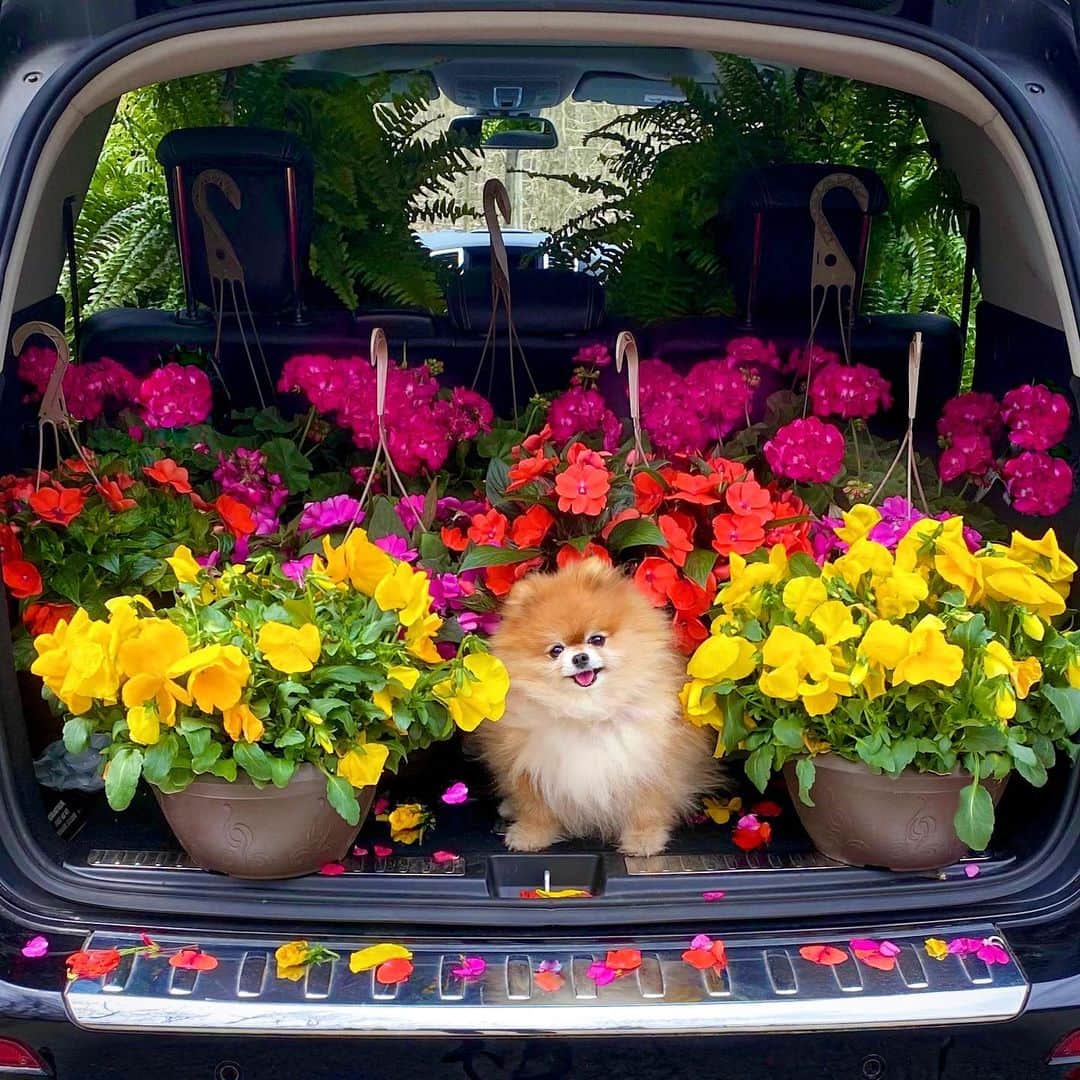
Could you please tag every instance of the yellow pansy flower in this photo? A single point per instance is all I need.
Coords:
(1072, 672)
(363, 765)
(833, 620)
(77, 662)
(1033, 626)
(217, 675)
(1005, 703)
(405, 591)
(900, 594)
(357, 561)
(722, 810)
(916, 550)
(374, 955)
(149, 694)
(407, 823)
(864, 557)
(936, 949)
(930, 658)
(288, 649)
(1008, 580)
(956, 564)
(144, 724)
(292, 960)
(1044, 557)
(399, 680)
(482, 696)
(183, 565)
(419, 638)
(746, 578)
(699, 708)
(858, 521)
(803, 596)
(782, 682)
(241, 723)
(720, 658)
(884, 643)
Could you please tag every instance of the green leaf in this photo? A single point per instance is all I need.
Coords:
(284, 458)
(759, 764)
(121, 777)
(207, 758)
(281, 771)
(1067, 702)
(253, 760)
(158, 759)
(984, 739)
(802, 565)
(487, 555)
(340, 795)
(198, 741)
(346, 673)
(495, 481)
(384, 521)
(788, 731)
(292, 737)
(225, 768)
(806, 772)
(699, 564)
(77, 732)
(904, 751)
(640, 532)
(974, 819)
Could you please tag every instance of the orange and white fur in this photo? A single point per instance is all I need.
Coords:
(592, 741)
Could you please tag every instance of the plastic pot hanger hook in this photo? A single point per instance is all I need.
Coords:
(626, 352)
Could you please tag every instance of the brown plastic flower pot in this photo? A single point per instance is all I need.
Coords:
(248, 832)
(900, 822)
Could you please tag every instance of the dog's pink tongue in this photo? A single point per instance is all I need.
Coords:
(585, 678)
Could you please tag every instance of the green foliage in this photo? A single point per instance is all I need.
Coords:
(376, 173)
(661, 224)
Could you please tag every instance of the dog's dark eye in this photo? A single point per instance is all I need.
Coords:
(597, 640)
(555, 650)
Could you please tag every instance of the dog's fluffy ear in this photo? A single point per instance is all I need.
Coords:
(522, 593)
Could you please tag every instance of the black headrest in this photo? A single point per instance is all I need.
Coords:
(788, 187)
(270, 229)
(547, 303)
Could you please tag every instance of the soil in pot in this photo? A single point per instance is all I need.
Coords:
(269, 832)
(900, 822)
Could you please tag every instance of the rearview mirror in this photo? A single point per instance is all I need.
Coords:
(506, 132)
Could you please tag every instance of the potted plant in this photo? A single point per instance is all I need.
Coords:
(264, 705)
(897, 687)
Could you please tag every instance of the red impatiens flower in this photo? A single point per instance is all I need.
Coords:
(238, 518)
(649, 492)
(750, 833)
(169, 474)
(569, 554)
(678, 530)
(655, 578)
(10, 548)
(500, 579)
(689, 598)
(59, 505)
(529, 469)
(453, 538)
(113, 494)
(583, 489)
(43, 618)
(193, 960)
(534, 444)
(92, 963)
(734, 532)
(690, 632)
(748, 498)
(488, 528)
(22, 579)
(530, 529)
(691, 488)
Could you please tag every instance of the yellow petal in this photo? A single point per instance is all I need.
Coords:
(363, 765)
(374, 955)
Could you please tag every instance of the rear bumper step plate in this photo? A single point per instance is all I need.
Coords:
(767, 987)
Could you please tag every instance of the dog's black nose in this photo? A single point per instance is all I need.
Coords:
(581, 660)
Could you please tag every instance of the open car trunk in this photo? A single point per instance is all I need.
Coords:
(69, 849)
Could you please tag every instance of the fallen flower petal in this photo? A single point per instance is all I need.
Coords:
(766, 808)
(445, 857)
(876, 960)
(701, 941)
(554, 894)
(971, 870)
(550, 965)
(92, 963)
(455, 794)
(992, 953)
(471, 967)
(382, 806)
(864, 945)
(331, 869)
(600, 973)
(36, 947)
(382, 851)
(548, 981)
(826, 955)
(713, 895)
(887, 948)
(374, 955)
(393, 971)
(193, 960)
(936, 949)
(702, 959)
(962, 946)
(359, 852)
(623, 960)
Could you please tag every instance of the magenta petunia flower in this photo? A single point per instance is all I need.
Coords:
(397, 547)
(296, 569)
(336, 512)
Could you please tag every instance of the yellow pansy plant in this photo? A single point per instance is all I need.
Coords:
(926, 653)
(252, 672)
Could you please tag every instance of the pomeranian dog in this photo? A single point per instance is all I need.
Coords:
(593, 741)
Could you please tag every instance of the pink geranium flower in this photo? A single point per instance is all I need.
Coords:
(175, 395)
(806, 450)
(1037, 418)
(850, 391)
(1038, 483)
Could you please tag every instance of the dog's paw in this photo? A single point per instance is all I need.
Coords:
(648, 840)
(506, 810)
(530, 836)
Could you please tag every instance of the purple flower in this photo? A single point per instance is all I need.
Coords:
(210, 560)
(243, 475)
(455, 794)
(409, 509)
(600, 973)
(296, 569)
(471, 967)
(397, 547)
(445, 588)
(322, 517)
(36, 947)
(475, 622)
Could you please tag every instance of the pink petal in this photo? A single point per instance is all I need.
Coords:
(971, 870)
(867, 944)
(445, 857)
(715, 894)
(600, 973)
(382, 805)
(550, 965)
(383, 852)
(455, 794)
(471, 967)
(887, 948)
(702, 941)
(359, 852)
(962, 946)
(331, 869)
(992, 954)
(748, 821)
(36, 947)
